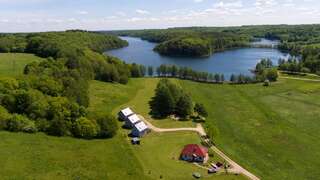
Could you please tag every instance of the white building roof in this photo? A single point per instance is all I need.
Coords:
(126, 112)
(134, 119)
(141, 126)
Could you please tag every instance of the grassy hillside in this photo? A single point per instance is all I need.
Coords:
(159, 153)
(39, 156)
(271, 131)
(264, 129)
(12, 64)
(44, 157)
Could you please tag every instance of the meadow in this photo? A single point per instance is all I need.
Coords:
(12, 64)
(159, 152)
(271, 131)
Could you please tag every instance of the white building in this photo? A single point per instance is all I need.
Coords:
(132, 120)
(125, 113)
(140, 129)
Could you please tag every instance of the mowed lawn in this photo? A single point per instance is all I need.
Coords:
(12, 64)
(159, 152)
(38, 156)
(272, 131)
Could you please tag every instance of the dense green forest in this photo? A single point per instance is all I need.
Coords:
(302, 41)
(188, 42)
(185, 47)
(52, 96)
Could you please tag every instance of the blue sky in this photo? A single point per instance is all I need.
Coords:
(48, 15)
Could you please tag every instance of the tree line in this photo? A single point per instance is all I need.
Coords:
(170, 99)
(298, 40)
(189, 42)
(53, 95)
(264, 70)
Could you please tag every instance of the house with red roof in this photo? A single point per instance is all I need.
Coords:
(194, 153)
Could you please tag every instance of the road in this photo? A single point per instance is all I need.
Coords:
(199, 129)
(236, 168)
(302, 79)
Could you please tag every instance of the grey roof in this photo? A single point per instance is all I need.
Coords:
(126, 112)
(141, 126)
(134, 119)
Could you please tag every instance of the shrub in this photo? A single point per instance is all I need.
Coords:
(85, 128)
(4, 116)
(272, 74)
(42, 124)
(201, 110)
(20, 123)
(59, 127)
(108, 126)
(123, 79)
(9, 83)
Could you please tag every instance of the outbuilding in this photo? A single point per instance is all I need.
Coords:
(194, 153)
(139, 129)
(132, 120)
(125, 113)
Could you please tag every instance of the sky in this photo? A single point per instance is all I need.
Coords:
(56, 15)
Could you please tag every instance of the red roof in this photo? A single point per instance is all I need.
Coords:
(192, 149)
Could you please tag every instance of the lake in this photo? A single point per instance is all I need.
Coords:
(228, 62)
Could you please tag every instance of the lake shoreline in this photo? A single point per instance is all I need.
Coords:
(227, 62)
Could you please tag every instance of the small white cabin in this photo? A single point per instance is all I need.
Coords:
(125, 113)
(132, 120)
(140, 129)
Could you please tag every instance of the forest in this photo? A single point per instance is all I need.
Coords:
(301, 41)
(188, 42)
(52, 96)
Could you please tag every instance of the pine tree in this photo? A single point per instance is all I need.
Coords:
(184, 106)
(162, 104)
(201, 110)
(150, 71)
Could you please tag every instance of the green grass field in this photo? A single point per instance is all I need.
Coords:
(158, 154)
(264, 129)
(38, 156)
(12, 64)
(271, 131)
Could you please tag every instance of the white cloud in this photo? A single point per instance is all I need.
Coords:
(222, 4)
(141, 11)
(265, 3)
(82, 12)
(120, 13)
(197, 1)
(4, 20)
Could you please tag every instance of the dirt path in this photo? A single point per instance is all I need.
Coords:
(236, 168)
(199, 129)
(302, 79)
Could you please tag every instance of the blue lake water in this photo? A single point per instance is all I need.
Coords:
(228, 62)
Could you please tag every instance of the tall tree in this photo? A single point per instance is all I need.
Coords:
(201, 110)
(150, 71)
(184, 106)
(163, 103)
